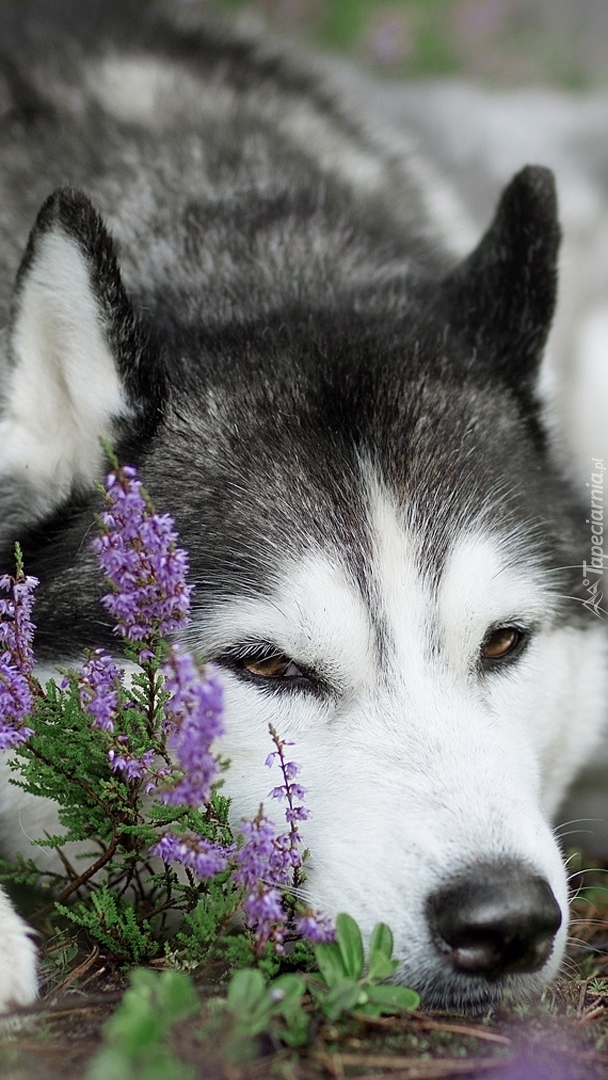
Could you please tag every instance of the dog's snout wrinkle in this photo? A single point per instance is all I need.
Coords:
(495, 919)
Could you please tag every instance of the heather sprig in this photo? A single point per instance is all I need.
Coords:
(99, 687)
(139, 555)
(16, 626)
(16, 702)
(100, 745)
(202, 856)
(270, 864)
(16, 655)
(193, 720)
(290, 790)
(263, 864)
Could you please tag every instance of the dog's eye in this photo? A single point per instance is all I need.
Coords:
(270, 667)
(261, 662)
(502, 642)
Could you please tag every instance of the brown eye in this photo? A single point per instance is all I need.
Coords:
(271, 667)
(502, 642)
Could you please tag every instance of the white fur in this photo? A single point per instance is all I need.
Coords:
(18, 982)
(154, 92)
(429, 765)
(64, 392)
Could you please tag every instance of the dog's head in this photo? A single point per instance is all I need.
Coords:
(385, 560)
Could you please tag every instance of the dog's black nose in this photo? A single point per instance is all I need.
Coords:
(495, 919)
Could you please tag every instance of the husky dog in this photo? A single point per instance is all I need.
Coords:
(247, 291)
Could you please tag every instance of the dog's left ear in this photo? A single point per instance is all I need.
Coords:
(502, 297)
(74, 346)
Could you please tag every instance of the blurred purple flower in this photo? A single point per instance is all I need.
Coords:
(194, 717)
(389, 38)
(539, 1064)
(138, 553)
(316, 928)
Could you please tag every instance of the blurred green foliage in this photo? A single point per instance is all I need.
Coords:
(508, 41)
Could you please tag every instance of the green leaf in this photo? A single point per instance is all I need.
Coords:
(369, 1010)
(151, 1004)
(245, 987)
(393, 998)
(381, 940)
(379, 966)
(341, 998)
(286, 991)
(177, 995)
(296, 1032)
(330, 963)
(350, 945)
(249, 1001)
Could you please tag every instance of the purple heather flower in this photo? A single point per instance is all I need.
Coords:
(265, 915)
(264, 863)
(16, 703)
(275, 861)
(290, 790)
(16, 659)
(99, 681)
(16, 626)
(268, 862)
(193, 714)
(134, 768)
(202, 856)
(138, 553)
(316, 928)
(264, 856)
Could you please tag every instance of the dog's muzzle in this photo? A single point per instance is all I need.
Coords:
(495, 919)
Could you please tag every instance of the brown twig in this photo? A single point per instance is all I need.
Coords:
(89, 872)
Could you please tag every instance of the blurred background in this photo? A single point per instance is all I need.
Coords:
(563, 43)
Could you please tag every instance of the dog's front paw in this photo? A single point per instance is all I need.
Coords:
(18, 981)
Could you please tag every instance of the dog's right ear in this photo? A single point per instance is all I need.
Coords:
(74, 352)
(502, 297)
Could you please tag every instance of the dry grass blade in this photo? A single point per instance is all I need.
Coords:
(75, 974)
(407, 1068)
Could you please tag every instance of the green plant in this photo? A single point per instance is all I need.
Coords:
(137, 1037)
(254, 1003)
(349, 984)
